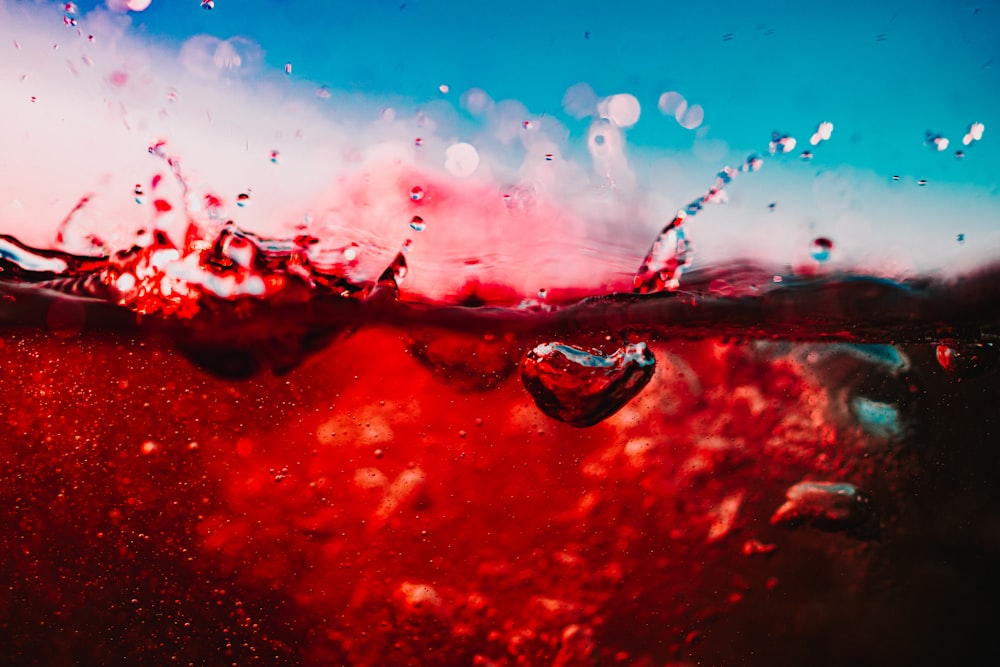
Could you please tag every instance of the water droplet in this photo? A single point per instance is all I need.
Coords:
(542, 293)
(584, 387)
(208, 4)
(781, 143)
(417, 224)
(461, 159)
(416, 193)
(822, 249)
(350, 253)
(243, 200)
(828, 506)
(936, 141)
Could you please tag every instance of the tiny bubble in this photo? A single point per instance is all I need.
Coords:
(418, 141)
(417, 224)
(274, 157)
(960, 238)
(416, 193)
(288, 68)
(243, 200)
(208, 4)
(922, 182)
(379, 453)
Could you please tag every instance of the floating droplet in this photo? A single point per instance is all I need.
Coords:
(417, 224)
(584, 387)
(822, 249)
(416, 193)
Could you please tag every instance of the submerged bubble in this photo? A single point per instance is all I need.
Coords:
(208, 4)
(274, 157)
(968, 360)
(243, 200)
(828, 506)
(417, 224)
(288, 68)
(416, 193)
(583, 387)
(139, 194)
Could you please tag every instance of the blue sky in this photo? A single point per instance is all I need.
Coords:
(884, 72)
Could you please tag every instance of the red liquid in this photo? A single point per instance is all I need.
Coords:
(386, 505)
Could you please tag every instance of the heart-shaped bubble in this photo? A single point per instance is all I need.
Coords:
(584, 387)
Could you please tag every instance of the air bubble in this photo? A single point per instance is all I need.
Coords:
(288, 68)
(243, 200)
(140, 197)
(417, 224)
(444, 89)
(323, 93)
(416, 193)
(207, 4)
(274, 157)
